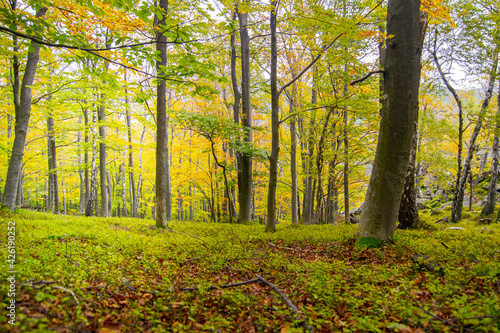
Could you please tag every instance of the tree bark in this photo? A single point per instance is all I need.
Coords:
(23, 114)
(408, 213)
(163, 191)
(275, 141)
(101, 116)
(52, 161)
(293, 161)
(489, 208)
(397, 126)
(92, 188)
(245, 160)
(133, 207)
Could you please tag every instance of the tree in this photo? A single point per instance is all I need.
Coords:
(244, 160)
(163, 191)
(22, 115)
(489, 208)
(397, 126)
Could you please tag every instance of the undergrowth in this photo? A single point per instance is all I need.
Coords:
(78, 274)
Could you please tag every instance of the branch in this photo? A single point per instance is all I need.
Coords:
(380, 71)
(323, 50)
(53, 92)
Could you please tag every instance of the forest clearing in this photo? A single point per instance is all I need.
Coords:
(79, 274)
(249, 166)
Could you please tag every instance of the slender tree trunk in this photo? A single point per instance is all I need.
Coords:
(124, 189)
(21, 128)
(275, 143)
(489, 208)
(133, 207)
(458, 197)
(52, 160)
(163, 191)
(86, 158)
(81, 207)
(92, 188)
(402, 80)
(101, 116)
(308, 161)
(346, 163)
(293, 161)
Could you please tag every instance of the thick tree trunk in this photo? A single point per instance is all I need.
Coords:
(458, 197)
(401, 79)
(163, 191)
(23, 114)
(408, 213)
(489, 208)
(275, 141)
(245, 160)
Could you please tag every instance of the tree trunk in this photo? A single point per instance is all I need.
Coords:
(489, 208)
(133, 207)
(101, 116)
(293, 161)
(397, 126)
(408, 213)
(163, 191)
(92, 190)
(275, 143)
(21, 128)
(245, 160)
(308, 200)
(52, 160)
(86, 158)
(458, 197)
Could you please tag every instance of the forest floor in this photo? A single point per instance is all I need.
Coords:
(79, 274)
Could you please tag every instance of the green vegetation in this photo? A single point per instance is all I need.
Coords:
(368, 242)
(107, 274)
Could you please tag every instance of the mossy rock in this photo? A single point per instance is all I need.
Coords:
(369, 242)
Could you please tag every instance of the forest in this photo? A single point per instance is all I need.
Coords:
(253, 166)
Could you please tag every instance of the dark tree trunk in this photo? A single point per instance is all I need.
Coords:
(401, 80)
(275, 141)
(245, 160)
(489, 208)
(21, 128)
(86, 158)
(52, 161)
(163, 191)
(408, 213)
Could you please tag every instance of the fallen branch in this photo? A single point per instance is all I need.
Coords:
(285, 248)
(137, 290)
(68, 291)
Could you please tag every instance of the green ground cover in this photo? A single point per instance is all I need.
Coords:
(79, 274)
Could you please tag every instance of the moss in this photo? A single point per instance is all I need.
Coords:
(369, 242)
